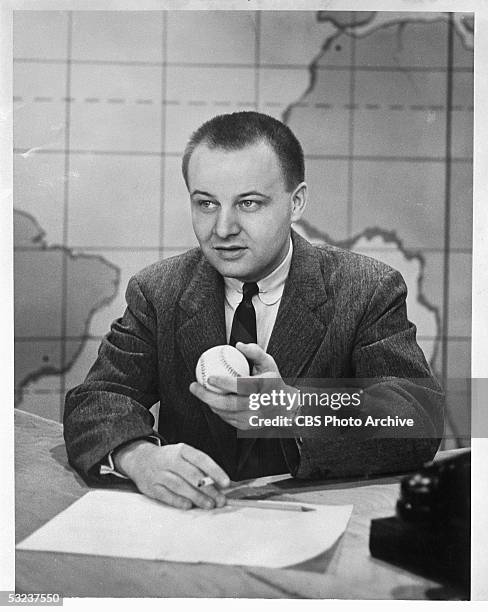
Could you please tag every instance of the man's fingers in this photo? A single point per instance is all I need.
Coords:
(163, 494)
(190, 472)
(215, 494)
(207, 465)
(226, 383)
(177, 484)
(260, 359)
(194, 475)
(204, 394)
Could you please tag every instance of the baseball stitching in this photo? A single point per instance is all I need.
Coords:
(204, 374)
(226, 365)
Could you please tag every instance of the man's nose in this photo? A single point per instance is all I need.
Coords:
(226, 223)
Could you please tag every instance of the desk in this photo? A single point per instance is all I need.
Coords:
(46, 485)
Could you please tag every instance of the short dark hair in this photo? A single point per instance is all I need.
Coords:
(235, 131)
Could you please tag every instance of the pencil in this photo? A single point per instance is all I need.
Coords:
(271, 505)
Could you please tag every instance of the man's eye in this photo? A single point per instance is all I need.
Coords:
(207, 204)
(249, 204)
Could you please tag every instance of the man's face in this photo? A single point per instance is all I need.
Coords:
(241, 210)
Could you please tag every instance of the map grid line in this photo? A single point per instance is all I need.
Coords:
(162, 169)
(360, 68)
(64, 271)
(447, 224)
(350, 142)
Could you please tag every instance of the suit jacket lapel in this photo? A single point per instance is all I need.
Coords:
(201, 326)
(298, 330)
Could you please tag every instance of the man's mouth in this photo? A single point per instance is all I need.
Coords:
(229, 247)
(230, 251)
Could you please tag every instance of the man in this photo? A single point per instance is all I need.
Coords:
(302, 311)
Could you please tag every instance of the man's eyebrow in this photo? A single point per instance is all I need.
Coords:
(241, 195)
(203, 193)
(251, 193)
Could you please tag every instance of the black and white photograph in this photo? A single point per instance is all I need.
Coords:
(245, 324)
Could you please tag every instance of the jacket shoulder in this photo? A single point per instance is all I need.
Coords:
(168, 277)
(356, 277)
(344, 263)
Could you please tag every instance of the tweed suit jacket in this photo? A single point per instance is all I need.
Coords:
(342, 315)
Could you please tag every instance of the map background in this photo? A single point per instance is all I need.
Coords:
(93, 158)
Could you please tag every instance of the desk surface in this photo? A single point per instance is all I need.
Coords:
(46, 485)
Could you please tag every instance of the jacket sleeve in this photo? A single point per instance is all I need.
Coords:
(397, 382)
(112, 405)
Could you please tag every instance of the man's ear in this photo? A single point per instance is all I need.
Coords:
(298, 201)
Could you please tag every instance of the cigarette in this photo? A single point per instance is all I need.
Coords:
(205, 482)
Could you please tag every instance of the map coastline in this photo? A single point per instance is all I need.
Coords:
(31, 238)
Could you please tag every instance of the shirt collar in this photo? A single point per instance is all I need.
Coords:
(270, 287)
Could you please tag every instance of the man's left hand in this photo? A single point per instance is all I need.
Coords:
(233, 405)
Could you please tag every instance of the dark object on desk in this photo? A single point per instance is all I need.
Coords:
(431, 533)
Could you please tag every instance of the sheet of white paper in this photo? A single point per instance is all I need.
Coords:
(123, 524)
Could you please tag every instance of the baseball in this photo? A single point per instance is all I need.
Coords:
(223, 360)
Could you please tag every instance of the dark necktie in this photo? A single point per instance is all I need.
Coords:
(252, 456)
(244, 330)
(244, 322)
